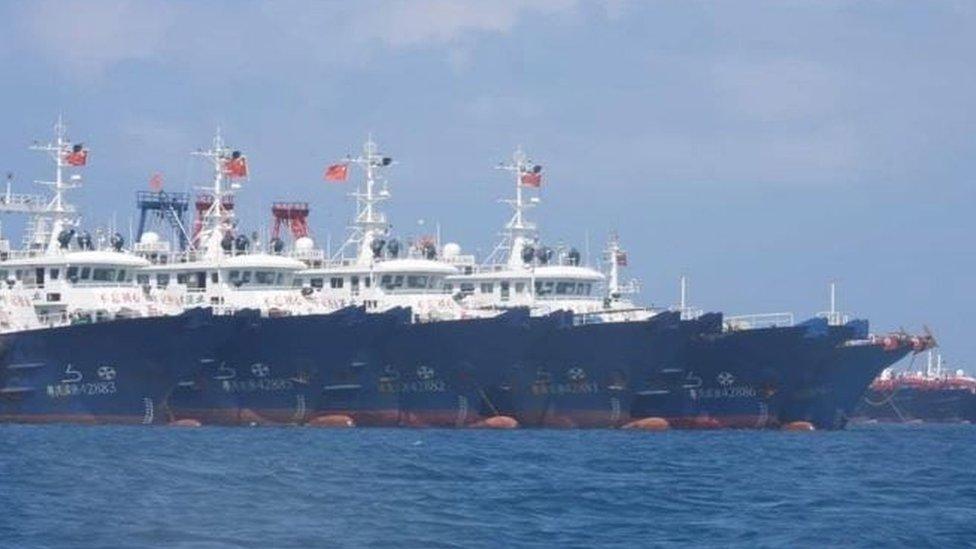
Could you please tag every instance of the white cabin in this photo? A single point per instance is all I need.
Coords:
(229, 283)
(522, 273)
(221, 271)
(372, 270)
(97, 281)
(66, 275)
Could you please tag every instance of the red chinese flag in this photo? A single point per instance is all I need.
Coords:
(236, 167)
(156, 182)
(77, 157)
(531, 179)
(621, 259)
(336, 172)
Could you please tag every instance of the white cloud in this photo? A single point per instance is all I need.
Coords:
(87, 38)
(430, 22)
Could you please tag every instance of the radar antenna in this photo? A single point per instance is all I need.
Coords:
(370, 225)
(519, 232)
(50, 215)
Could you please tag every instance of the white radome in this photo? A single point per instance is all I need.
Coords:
(149, 237)
(451, 250)
(304, 244)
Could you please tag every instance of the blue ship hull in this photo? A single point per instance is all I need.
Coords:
(276, 370)
(435, 374)
(765, 377)
(353, 368)
(827, 384)
(584, 375)
(119, 371)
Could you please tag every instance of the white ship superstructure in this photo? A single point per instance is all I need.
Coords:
(69, 275)
(374, 269)
(522, 272)
(222, 269)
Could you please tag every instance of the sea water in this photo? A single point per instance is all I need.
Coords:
(69, 486)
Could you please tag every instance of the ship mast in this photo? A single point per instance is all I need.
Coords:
(370, 224)
(218, 219)
(616, 257)
(518, 232)
(833, 316)
(57, 215)
(613, 255)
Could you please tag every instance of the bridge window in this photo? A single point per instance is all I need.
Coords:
(335, 282)
(467, 288)
(317, 283)
(565, 288)
(142, 280)
(520, 287)
(297, 282)
(416, 282)
(240, 278)
(55, 273)
(487, 288)
(121, 277)
(85, 273)
(101, 274)
(264, 278)
(162, 280)
(543, 288)
(27, 276)
(198, 280)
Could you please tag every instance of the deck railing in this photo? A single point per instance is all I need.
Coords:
(755, 321)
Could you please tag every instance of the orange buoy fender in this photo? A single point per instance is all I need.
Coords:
(496, 422)
(249, 417)
(705, 422)
(335, 420)
(799, 426)
(186, 423)
(649, 424)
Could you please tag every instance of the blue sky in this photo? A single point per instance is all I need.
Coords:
(761, 148)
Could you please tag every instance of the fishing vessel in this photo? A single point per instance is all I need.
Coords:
(82, 343)
(395, 352)
(432, 368)
(696, 371)
(288, 340)
(826, 391)
(389, 331)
